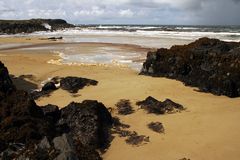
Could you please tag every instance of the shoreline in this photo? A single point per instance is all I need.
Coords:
(197, 133)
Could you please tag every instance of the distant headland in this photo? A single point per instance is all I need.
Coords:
(32, 25)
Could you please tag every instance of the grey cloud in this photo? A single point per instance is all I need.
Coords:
(126, 11)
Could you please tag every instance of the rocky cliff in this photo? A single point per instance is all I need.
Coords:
(32, 25)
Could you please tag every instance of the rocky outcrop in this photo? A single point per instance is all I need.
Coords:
(28, 131)
(32, 25)
(209, 64)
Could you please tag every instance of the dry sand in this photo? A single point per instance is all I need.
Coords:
(209, 129)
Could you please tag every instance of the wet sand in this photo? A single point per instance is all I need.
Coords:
(208, 129)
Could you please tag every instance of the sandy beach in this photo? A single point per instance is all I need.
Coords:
(207, 129)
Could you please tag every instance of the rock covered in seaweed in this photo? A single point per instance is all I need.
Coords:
(124, 107)
(73, 84)
(156, 127)
(209, 64)
(88, 121)
(152, 105)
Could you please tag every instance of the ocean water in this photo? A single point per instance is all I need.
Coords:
(150, 36)
(146, 35)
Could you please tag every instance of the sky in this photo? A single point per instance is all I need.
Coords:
(179, 12)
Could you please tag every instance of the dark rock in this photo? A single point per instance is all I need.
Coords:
(49, 86)
(6, 84)
(73, 84)
(117, 123)
(46, 90)
(12, 151)
(44, 144)
(51, 111)
(209, 64)
(86, 153)
(119, 128)
(21, 120)
(88, 121)
(32, 25)
(3, 146)
(55, 38)
(156, 127)
(30, 132)
(66, 146)
(135, 139)
(124, 107)
(151, 105)
(37, 94)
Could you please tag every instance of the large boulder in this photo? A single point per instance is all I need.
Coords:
(88, 121)
(21, 120)
(209, 64)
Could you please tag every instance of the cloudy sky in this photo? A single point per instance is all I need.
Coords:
(198, 12)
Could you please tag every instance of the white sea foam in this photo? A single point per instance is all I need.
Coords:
(106, 56)
(47, 26)
(76, 35)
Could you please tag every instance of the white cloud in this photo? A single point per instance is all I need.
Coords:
(126, 13)
(95, 11)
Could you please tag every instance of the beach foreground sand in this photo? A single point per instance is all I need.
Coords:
(208, 129)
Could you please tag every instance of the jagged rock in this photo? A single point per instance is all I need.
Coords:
(124, 107)
(86, 153)
(12, 151)
(49, 86)
(66, 147)
(21, 120)
(30, 132)
(88, 121)
(44, 143)
(51, 111)
(32, 25)
(37, 94)
(156, 127)
(6, 84)
(151, 105)
(73, 84)
(209, 64)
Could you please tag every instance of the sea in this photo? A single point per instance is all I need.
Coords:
(149, 36)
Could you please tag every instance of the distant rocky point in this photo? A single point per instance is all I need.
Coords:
(32, 25)
(209, 64)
